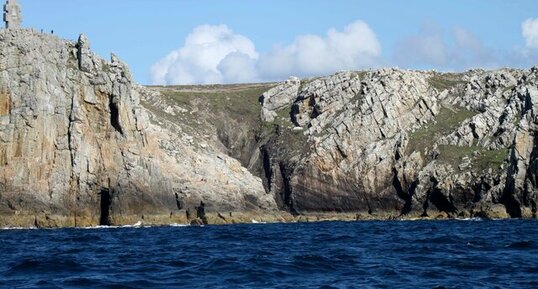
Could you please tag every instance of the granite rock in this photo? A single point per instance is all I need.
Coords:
(75, 141)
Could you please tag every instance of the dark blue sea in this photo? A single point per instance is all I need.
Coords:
(369, 254)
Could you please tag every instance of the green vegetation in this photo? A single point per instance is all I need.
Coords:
(239, 102)
(475, 157)
(283, 117)
(200, 109)
(282, 124)
(446, 121)
(480, 158)
(442, 81)
(216, 104)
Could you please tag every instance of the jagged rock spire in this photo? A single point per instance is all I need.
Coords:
(12, 14)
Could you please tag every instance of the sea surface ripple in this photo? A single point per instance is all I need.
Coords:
(369, 254)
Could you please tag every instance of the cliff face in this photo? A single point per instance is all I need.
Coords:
(394, 142)
(384, 143)
(77, 147)
(81, 143)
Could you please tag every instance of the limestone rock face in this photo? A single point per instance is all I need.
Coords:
(393, 142)
(75, 141)
(279, 97)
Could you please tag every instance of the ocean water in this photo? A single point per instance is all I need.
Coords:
(370, 254)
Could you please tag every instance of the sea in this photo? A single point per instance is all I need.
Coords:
(365, 254)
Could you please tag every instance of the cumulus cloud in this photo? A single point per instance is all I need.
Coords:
(215, 54)
(355, 47)
(432, 47)
(197, 61)
(529, 29)
(238, 67)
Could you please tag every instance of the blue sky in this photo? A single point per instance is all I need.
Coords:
(203, 41)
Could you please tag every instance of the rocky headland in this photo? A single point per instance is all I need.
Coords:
(81, 144)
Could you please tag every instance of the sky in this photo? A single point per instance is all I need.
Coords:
(237, 41)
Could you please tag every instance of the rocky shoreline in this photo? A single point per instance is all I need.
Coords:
(244, 217)
(82, 144)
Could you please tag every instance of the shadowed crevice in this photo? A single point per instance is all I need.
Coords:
(441, 202)
(115, 116)
(407, 197)
(104, 218)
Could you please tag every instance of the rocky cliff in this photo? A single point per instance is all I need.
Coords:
(386, 143)
(77, 148)
(82, 144)
(395, 143)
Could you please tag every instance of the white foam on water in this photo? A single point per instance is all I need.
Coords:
(137, 225)
(256, 222)
(18, 228)
(474, 219)
(99, 227)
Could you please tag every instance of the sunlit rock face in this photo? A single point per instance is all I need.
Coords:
(395, 143)
(82, 144)
(72, 127)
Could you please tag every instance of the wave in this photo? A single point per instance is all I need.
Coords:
(473, 219)
(137, 225)
(19, 228)
(178, 225)
(257, 222)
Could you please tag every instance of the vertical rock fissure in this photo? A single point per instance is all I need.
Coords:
(287, 191)
(115, 115)
(407, 197)
(513, 207)
(105, 203)
(267, 169)
(400, 192)
(73, 184)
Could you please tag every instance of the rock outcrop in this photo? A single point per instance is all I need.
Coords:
(395, 143)
(76, 145)
(278, 98)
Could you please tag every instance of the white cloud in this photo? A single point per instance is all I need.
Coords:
(215, 54)
(238, 67)
(353, 48)
(529, 29)
(199, 58)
